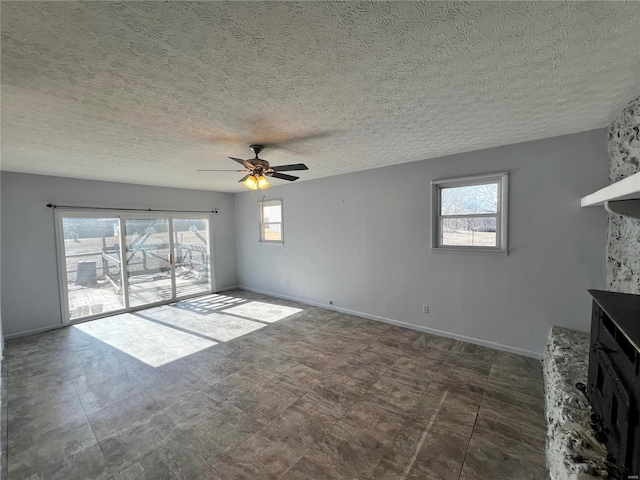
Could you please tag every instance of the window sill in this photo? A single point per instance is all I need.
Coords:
(469, 251)
(266, 242)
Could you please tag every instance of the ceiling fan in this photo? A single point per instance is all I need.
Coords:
(260, 169)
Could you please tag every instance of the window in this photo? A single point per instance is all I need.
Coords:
(271, 221)
(470, 214)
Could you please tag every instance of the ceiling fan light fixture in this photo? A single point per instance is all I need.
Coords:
(262, 182)
(251, 183)
(256, 169)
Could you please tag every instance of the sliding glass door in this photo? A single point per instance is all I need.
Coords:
(150, 278)
(124, 262)
(91, 259)
(191, 256)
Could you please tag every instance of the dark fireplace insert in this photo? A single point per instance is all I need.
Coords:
(614, 379)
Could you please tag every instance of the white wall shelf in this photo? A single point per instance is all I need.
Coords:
(625, 189)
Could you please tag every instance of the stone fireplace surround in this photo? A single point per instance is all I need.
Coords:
(623, 242)
(572, 451)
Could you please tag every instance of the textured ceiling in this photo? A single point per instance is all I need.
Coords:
(150, 92)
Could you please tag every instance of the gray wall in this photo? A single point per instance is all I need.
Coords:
(30, 298)
(362, 241)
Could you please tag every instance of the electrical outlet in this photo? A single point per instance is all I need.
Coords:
(425, 308)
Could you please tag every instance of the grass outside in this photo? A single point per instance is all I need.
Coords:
(272, 236)
(469, 239)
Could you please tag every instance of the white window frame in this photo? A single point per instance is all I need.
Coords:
(502, 179)
(271, 203)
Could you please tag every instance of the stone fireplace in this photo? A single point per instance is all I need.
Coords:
(623, 243)
(576, 439)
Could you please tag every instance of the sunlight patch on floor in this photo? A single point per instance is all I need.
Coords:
(216, 326)
(263, 312)
(210, 302)
(159, 335)
(147, 341)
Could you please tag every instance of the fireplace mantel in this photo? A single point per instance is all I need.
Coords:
(620, 198)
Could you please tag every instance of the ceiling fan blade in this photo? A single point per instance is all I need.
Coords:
(208, 170)
(243, 162)
(244, 178)
(289, 168)
(282, 176)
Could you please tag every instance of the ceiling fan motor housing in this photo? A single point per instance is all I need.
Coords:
(259, 163)
(256, 148)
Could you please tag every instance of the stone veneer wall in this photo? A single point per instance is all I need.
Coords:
(572, 450)
(623, 243)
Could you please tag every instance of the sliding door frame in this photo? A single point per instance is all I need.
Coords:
(62, 262)
(121, 216)
(123, 236)
(188, 216)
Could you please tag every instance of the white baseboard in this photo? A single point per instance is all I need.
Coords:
(55, 327)
(226, 289)
(33, 332)
(411, 326)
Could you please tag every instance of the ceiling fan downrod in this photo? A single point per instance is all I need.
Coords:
(256, 148)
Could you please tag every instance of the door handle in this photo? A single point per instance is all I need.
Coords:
(171, 259)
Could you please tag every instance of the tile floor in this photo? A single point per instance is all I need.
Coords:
(261, 388)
